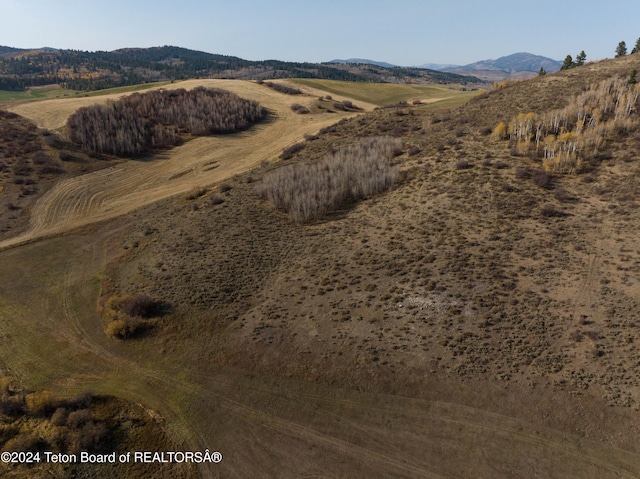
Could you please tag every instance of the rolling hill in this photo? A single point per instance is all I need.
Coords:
(81, 70)
(478, 319)
(365, 61)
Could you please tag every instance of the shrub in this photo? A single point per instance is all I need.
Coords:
(52, 140)
(463, 165)
(550, 211)
(413, 150)
(21, 169)
(500, 165)
(125, 315)
(397, 151)
(79, 417)
(10, 406)
(195, 192)
(301, 109)
(59, 417)
(141, 305)
(523, 172)
(124, 328)
(291, 150)
(562, 195)
(40, 403)
(283, 88)
(22, 442)
(542, 179)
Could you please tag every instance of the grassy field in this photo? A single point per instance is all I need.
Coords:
(85, 198)
(35, 93)
(446, 328)
(51, 92)
(388, 94)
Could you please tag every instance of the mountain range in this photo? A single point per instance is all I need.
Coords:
(516, 65)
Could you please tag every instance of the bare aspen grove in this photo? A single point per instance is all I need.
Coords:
(310, 191)
(160, 119)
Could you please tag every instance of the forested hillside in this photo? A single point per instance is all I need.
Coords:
(81, 70)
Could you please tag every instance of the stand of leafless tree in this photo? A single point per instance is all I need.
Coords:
(310, 191)
(160, 119)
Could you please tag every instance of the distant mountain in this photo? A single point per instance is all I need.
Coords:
(439, 66)
(517, 65)
(517, 62)
(364, 61)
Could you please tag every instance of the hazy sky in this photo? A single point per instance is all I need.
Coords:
(403, 32)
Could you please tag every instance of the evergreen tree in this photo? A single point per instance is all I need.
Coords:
(621, 50)
(633, 78)
(581, 58)
(636, 49)
(542, 72)
(568, 63)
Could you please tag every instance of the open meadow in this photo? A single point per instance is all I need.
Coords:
(477, 319)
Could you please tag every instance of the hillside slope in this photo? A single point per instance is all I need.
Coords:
(476, 320)
(478, 267)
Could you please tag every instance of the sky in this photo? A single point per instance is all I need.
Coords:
(402, 32)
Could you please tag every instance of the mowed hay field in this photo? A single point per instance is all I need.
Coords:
(436, 330)
(121, 188)
(380, 94)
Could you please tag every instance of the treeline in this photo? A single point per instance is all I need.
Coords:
(139, 123)
(83, 70)
(581, 58)
(288, 90)
(310, 191)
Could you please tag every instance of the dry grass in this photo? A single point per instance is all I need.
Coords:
(83, 200)
(459, 308)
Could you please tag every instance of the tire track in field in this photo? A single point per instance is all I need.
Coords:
(475, 422)
(119, 189)
(155, 382)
